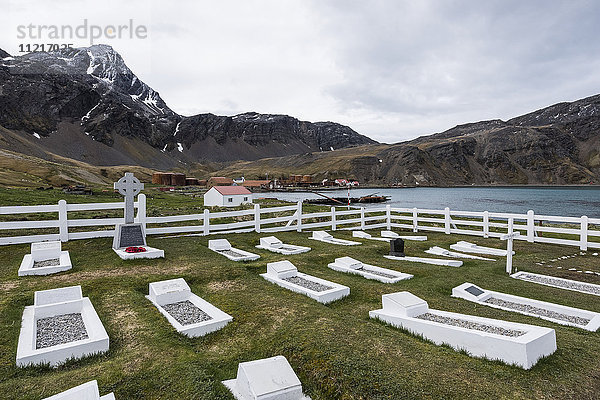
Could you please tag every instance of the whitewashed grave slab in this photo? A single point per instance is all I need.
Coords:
(561, 283)
(45, 258)
(188, 313)
(223, 247)
(326, 237)
(440, 251)
(61, 324)
(512, 343)
(267, 379)
(394, 235)
(87, 391)
(352, 266)
(285, 274)
(275, 245)
(556, 313)
(468, 247)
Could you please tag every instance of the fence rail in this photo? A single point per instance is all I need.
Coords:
(569, 231)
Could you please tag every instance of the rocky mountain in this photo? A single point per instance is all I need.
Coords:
(559, 144)
(86, 104)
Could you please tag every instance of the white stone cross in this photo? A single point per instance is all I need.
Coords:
(129, 186)
(509, 244)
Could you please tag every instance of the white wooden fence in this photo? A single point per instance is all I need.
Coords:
(582, 232)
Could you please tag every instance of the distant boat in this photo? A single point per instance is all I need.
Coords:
(343, 201)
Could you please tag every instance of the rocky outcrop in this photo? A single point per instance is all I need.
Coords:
(94, 89)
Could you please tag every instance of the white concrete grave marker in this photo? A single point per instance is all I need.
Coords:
(509, 245)
(323, 236)
(561, 283)
(468, 247)
(267, 379)
(189, 314)
(286, 275)
(557, 313)
(87, 391)
(393, 235)
(131, 234)
(439, 251)
(352, 266)
(61, 324)
(365, 235)
(223, 247)
(275, 245)
(510, 342)
(46, 258)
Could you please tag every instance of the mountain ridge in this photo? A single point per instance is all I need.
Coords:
(94, 87)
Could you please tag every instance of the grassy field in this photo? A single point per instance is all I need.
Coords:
(336, 350)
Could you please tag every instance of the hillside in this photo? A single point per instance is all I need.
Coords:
(559, 144)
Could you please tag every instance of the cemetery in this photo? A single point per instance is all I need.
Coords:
(541, 343)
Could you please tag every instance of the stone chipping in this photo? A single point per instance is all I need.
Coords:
(546, 280)
(53, 262)
(470, 325)
(59, 329)
(371, 271)
(542, 312)
(186, 313)
(308, 284)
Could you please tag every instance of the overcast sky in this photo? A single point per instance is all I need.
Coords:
(391, 69)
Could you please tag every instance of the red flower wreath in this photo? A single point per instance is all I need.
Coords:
(134, 249)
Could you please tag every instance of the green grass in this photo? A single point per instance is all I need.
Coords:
(336, 350)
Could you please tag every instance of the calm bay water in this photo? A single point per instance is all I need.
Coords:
(563, 201)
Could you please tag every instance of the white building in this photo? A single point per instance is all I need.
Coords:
(227, 196)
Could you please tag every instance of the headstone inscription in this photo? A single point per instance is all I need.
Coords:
(397, 247)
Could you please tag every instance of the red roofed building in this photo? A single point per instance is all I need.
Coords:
(227, 196)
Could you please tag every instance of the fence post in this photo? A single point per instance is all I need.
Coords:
(415, 222)
(388, 217)
(362, 218)
(206, 222)
(447, 220)
(583, 239)
(299, 216)
(141, 214)
(333, 224)
(63, 225)
(486, 224)
(257, 218)
(530, 226)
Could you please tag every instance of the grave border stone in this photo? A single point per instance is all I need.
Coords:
(344, 264)
(55, 302)
(280, 270)
(27, 264)
(271, 243)
(463, 292)
(86, 391)
(402, 310)
(171, 291)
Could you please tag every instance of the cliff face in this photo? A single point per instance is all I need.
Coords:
(556, 145)
(90, 94)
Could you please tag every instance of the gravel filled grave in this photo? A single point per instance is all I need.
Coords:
(232, 253)
(59, 329)
(186, 313)
(557, 282)
(377, 273)
(538, 311)
(53, 262)
(317, 287)
(470, 325)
